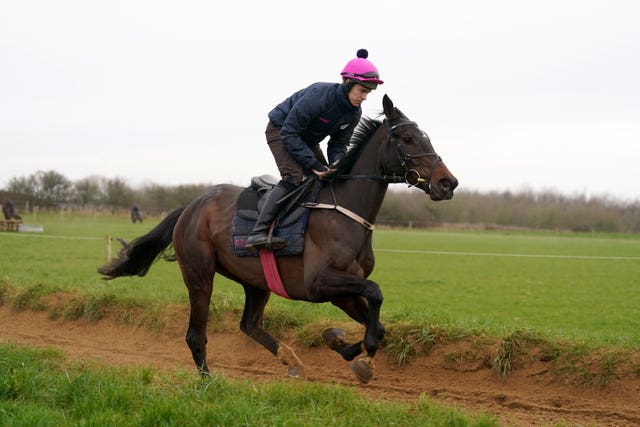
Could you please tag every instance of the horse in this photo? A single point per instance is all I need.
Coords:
(337, 257)
(136, 215)
(9, 211)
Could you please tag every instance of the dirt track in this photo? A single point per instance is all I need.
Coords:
(530, 395)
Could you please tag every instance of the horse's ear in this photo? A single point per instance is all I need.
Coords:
(387, 106)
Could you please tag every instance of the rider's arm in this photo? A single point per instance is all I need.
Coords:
(297, 121)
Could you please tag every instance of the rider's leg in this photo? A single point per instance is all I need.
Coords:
(259, 237)
(291, 173)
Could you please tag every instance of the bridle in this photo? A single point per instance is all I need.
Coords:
(411, 176)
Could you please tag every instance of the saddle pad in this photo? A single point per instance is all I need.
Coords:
(291, 224)
(292, 233)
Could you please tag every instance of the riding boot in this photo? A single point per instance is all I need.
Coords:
(259, 237)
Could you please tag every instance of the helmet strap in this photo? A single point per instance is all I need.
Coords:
(349, 84)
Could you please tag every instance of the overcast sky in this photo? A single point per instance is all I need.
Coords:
(515, 95)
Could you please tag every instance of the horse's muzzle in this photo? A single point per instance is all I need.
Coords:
(443, 189)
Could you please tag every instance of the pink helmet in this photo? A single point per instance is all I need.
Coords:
(362, 70)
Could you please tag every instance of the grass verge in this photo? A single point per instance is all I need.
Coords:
(50, 391)
(405, 339)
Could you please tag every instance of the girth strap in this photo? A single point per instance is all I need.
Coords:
(271, 273)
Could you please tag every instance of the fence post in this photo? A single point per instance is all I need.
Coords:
(108, 248)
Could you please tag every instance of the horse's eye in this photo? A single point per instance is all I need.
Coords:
(407, 139)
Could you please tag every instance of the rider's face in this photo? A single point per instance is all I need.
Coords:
(358, 94)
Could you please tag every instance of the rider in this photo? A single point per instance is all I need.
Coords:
(298, 125)
(9, 210)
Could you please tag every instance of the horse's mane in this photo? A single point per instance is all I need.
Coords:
(361, 135)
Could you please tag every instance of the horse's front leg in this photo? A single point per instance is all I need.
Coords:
(361, 299)
(358, 309)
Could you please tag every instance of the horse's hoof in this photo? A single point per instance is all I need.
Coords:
(204, 371)
(334, 338)
(295, 371)
(362, 370)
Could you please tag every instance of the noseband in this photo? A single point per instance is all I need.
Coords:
(411, 176)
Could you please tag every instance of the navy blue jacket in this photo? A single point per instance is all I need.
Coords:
(310, 115)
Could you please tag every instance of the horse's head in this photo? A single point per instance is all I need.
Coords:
(411, 155)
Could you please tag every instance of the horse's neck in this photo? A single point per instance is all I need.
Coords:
(364, 195)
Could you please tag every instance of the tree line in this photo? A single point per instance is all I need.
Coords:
(527, 209)
(503, 209)
(50, 190)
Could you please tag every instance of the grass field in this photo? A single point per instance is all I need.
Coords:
(581, 288)
(562, 285)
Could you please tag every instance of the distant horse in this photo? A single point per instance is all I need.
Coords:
(9, 211)
(136, 215)
(337, 256)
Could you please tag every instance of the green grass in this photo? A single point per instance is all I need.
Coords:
(593, 299)
(497, 282)
(66, 255)
(523, 289)
(48, 391)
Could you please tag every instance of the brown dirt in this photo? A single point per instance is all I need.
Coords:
(531, 395)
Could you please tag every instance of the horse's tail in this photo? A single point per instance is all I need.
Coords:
(136, 257)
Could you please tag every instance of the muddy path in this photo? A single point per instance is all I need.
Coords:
(529, 396)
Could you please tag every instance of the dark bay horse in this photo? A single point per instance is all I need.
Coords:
(337, 256)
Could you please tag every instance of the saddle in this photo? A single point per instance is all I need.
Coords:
(290, 223)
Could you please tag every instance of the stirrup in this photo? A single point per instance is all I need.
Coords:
(272, 244)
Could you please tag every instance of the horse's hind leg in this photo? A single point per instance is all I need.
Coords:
(198, 277)
(197, 331)
(251, 324)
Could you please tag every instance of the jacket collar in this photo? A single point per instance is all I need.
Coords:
(343, 99)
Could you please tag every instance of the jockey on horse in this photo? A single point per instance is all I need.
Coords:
(297, 126)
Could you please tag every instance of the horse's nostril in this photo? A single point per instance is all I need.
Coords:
(448, 184)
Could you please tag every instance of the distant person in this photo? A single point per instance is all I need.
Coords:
(9, 211)
(136, 215)
(297, 126)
